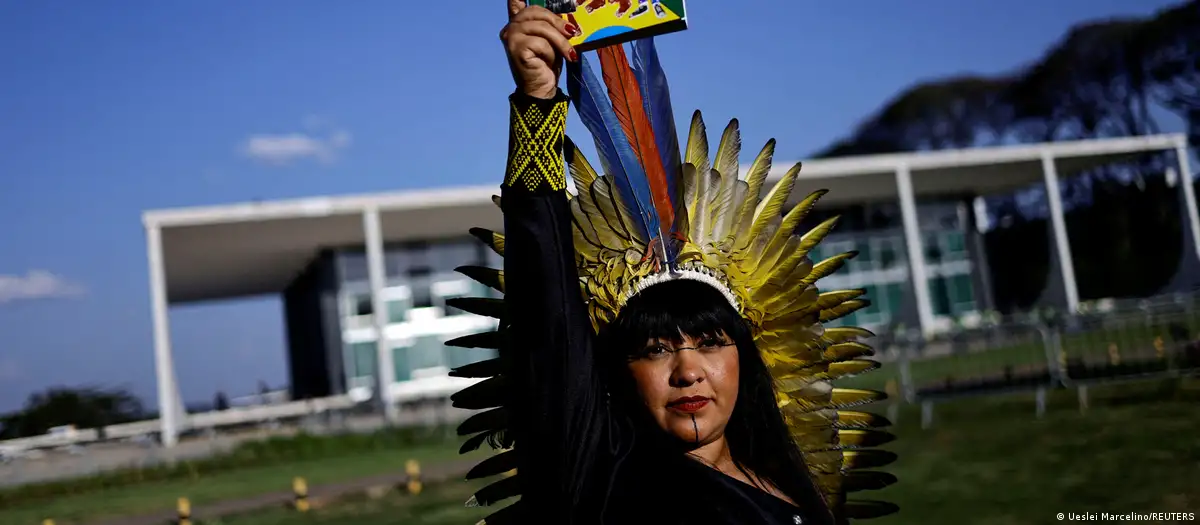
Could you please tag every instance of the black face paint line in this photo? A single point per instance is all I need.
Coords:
(695, 429)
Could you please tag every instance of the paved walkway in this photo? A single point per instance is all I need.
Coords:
(429, 474)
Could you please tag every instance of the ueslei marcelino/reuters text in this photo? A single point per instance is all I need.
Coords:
(1127, 516)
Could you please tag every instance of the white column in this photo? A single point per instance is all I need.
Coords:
(385, 371)
(1061, 242)
(170, 405)
(1189, 193)
(916, 250)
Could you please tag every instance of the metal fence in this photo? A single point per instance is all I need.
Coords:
(46, 464)
(1144, 340)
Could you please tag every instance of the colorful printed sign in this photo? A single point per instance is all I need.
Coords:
(608, 22)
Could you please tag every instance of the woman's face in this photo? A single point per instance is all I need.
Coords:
(689, 386)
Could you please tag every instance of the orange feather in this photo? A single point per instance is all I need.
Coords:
(627, 103)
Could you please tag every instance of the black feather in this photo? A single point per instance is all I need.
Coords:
(855, 420)
(502, 489)
(495, 465)
(856, 481)
(478, 369)
(485, 306)
(864, 459)
(511, 515)
(488, 393)
(493, 419)
(865, 510)
(493, 340)
(490, 277)
(488, 237)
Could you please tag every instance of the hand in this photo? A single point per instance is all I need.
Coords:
(536, 40)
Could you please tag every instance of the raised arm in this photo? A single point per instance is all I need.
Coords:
(559, 409)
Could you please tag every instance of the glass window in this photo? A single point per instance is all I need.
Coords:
(358, 304)
(887, 252)
(933, 248)
(876, 301)
(939, 295)
(955, 243)
(863, 262)
(362, 359)
(426, 352)
(397, 261)
(400, 363)
(456, 357)
(419, 286)
(963, 292)
(397, 310)
(352, 266)
(895, 297)
(445, 257)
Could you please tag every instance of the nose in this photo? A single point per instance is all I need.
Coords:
(687, 369)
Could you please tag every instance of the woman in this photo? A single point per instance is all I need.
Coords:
(649, 400)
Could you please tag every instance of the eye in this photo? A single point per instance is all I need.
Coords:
(712, 344)
(652, 351)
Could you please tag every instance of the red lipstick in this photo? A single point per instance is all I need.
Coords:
(688, 405)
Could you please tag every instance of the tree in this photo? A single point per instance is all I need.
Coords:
(221, 402)
(1101, 80)
(87, 407)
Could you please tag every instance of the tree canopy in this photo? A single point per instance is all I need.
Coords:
(87, 407)
(1105, 78)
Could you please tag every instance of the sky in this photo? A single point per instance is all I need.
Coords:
(111, 108)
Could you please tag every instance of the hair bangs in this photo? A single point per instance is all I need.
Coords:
(670, 310)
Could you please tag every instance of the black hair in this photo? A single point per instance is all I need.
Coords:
(758, 438)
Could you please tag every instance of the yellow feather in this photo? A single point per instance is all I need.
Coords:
(697, 145)
(728, 150)
(787, 228)
(755, 177)
(846, 350)
(828, 266)
(843, 309)
(769, 209)
(581, 172)
(702, 218)
(850, 397)
(842, 334)
(594, 213)
(853, 419)
(583, 225)
(601, 192)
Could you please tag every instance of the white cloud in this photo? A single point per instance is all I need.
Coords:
(287, 148)
(36, 284)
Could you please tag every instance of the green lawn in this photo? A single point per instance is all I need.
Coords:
(438, 505)
(1026, 354)
(240, 483)
(987, 461)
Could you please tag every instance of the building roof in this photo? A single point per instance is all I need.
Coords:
(250, 249)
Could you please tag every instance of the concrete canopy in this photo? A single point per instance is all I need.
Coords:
(249, 249)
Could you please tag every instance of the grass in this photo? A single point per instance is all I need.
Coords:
(987, 461)
(1025, 353)
(438, 505)
(226, 484)
(990, 461)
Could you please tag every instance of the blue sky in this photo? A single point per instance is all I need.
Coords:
(109, 108)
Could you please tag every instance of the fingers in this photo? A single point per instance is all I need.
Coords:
(539, 13)
(554, 36)
(514, 7)
(534, 22)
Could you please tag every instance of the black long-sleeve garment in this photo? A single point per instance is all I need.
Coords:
(579, 459)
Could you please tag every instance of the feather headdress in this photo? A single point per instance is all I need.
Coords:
(659, 213)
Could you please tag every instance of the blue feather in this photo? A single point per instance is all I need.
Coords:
(598, 116)
(657, 98)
